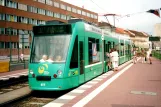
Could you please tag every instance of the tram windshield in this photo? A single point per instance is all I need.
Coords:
(50, 48)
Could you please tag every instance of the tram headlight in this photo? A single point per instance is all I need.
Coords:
(31, 72)
(59, 72)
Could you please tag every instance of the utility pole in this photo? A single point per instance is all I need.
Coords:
(112, 28)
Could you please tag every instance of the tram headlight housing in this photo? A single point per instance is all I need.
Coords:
(31, 72)
(59, 72)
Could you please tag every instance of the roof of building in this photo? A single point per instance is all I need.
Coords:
(120, 30)
(130, 33)
(142, 34)
(101, 24)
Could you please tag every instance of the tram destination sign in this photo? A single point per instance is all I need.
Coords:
(52, 29)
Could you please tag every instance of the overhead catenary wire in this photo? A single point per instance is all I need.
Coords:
(101, 9)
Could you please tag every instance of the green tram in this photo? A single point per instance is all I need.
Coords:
(81, 48)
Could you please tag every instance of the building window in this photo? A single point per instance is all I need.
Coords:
(8, 31)
(68, 17)
(92, 16)
(14, 31)
(39, 22)
(11, 18)
(33, 21)
(32, 9)
(2, 2)
(2, 16)
(49, 13)
(2, 30)
(83, 13)
(57, 15)
(41, 1)
(30, 21)
(7, 44)
(22, 7)
(14, 45)
(74, 10)
(10, 3)
(79, 11)
(8, 17)
(62, 6)
(88, 14)
(41, 11)
(69, 8)
(95, 16)
(22, 19)
(63, 16)
(49, 2)
(56, 4)
(2, 45)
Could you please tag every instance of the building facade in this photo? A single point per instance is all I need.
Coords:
(157, 29)
(17, 18)
(140, 39)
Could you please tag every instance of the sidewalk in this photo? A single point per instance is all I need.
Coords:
(138, 86)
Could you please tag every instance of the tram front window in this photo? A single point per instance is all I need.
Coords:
(54, 47)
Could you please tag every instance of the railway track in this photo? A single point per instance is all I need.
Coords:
(12, 87)
(5, 82)
(36, 99)
(14, 92)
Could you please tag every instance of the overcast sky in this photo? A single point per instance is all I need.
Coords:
(138, 20)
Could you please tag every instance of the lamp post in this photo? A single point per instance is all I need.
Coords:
(10, 44)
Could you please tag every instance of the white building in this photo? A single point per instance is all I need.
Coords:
(157, 29)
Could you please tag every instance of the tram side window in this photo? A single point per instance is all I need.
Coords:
(129, 49)
(121, 49)
(74, 57)
(97, 43)
(126, 50)
(117, 48)
(94, 50)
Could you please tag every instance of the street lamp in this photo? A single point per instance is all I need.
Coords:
(10, 44)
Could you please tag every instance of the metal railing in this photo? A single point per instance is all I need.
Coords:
(156, 54)
(16, 64)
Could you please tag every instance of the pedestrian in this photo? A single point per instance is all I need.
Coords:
(149, 55)
(115, 59)
(142, 56)
(109, 62)
(21, 57)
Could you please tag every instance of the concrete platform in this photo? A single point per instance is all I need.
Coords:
(136, 85)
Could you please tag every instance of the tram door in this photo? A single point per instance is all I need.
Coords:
(81, 60)
(106, 50)
(129, 52)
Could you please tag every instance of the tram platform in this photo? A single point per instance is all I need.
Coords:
(13, 74)
(134, 85)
